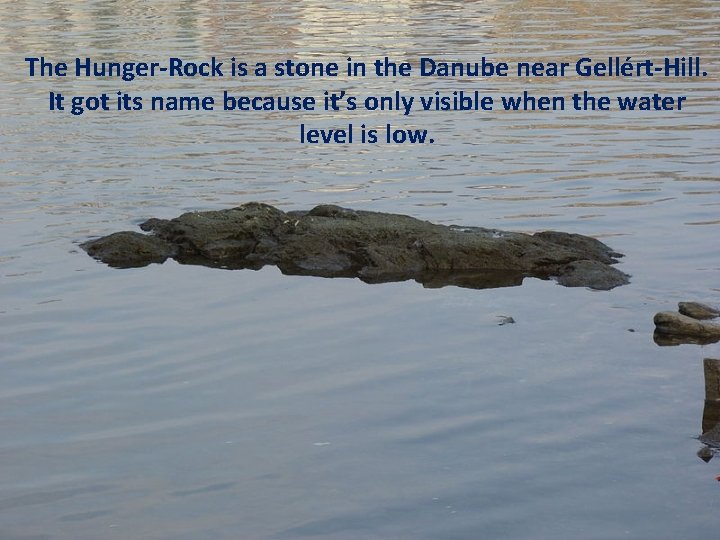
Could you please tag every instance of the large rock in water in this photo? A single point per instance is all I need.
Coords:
(331, 241)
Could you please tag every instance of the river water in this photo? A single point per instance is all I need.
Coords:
(181, 402)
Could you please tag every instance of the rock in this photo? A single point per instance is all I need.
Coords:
(711, 370)
(330, 241)
(699, 311)
(685, 329)
(129, 249)
(711, 411)
(706, 454)
(711, 438)
(591, 274)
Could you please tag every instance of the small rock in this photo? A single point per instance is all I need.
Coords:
(129, 249)
(705, 453)
(699, 311)
(711, 437)
(594, 274)
(711, 371)
(676, 324)
(331, 241)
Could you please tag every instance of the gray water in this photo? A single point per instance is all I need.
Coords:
(179, 402)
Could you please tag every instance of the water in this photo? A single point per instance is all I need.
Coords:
(187, 402)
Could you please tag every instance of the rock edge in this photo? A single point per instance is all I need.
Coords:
(331, 241)
(690, 325)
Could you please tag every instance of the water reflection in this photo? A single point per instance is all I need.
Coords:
(673, 340)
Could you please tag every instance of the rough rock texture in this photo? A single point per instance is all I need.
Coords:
(711, 412)
(129, 249)
(669, 322)
(688, 326)
(331, 241)
(711, 437)
(711, 370)
(699, 311)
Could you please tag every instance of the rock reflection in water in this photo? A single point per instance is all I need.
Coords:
(711, 412)
(330, 241)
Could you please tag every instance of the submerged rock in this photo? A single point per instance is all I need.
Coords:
(330, 241)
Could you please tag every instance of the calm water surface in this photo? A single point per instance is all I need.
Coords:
(175, 402)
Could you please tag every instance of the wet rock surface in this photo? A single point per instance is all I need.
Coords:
(129, 249)
(710, 436)
(691, 324)
(330, 241)
(699, 311)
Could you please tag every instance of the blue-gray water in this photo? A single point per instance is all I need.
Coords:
(174, 402)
